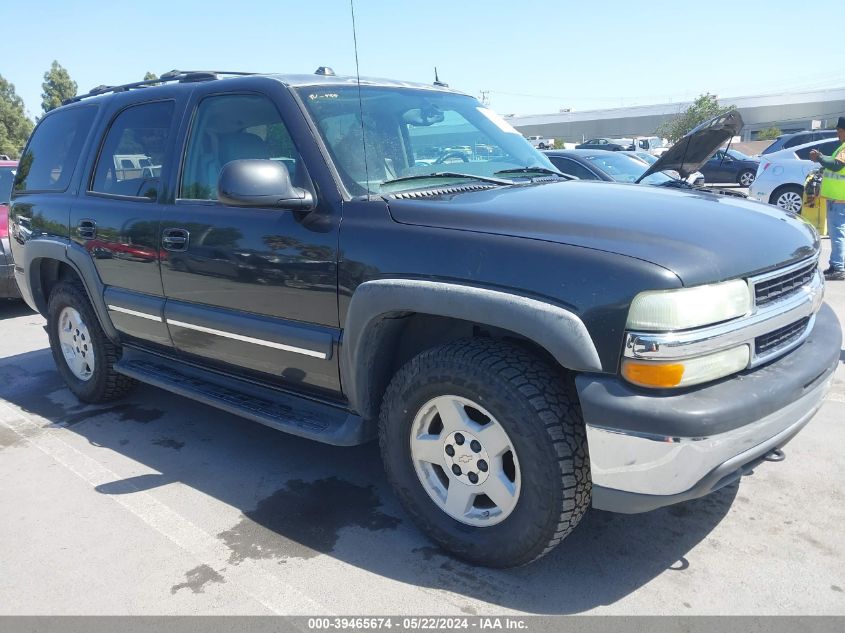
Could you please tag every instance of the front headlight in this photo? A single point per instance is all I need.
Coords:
(665, 310)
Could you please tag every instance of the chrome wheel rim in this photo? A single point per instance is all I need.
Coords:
(789, 201)
(76, 344)
(465, 461)
(746, 179)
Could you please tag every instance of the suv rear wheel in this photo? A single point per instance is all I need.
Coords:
(84, 356)
(485, 446)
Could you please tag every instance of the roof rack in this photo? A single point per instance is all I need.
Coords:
(181, 76)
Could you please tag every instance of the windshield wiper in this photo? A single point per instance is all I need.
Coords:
(449, 174)
(534, 170)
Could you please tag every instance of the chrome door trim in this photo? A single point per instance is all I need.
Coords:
(248, 339)
(136, 313)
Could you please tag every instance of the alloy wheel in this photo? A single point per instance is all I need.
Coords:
(789, 201)
(465, 461)
(77, 346)
(746, 179)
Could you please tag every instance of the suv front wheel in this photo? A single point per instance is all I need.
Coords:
(84, 356)
(485, 446)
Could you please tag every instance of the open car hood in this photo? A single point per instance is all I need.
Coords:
(692, 151)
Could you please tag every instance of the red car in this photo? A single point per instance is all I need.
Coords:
(8, 285)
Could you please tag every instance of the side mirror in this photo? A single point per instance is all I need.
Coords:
(260, 183)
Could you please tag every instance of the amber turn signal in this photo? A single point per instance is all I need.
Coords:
(652, 374)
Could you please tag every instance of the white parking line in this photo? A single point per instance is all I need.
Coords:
(267, 589)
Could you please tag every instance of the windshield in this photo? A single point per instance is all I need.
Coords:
(738, 155)
(413, 132)
(624, 168)
(7, 176)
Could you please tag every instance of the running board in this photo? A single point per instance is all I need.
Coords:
(274, 408)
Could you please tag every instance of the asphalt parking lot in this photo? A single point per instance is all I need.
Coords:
(160, 505)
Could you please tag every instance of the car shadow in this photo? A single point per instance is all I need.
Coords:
(300, 499)
(11, 308)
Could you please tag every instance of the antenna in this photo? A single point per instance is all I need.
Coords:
(360, 100)
(437, 81)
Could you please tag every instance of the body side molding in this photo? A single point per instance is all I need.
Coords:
(557, 330)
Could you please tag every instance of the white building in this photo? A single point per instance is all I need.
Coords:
(789, 111)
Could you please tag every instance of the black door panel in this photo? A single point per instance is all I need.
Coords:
(122, 238)
(250, 289)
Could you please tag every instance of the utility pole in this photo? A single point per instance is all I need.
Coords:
(485, 97)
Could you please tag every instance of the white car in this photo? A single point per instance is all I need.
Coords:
(781, 175)
(541, 142)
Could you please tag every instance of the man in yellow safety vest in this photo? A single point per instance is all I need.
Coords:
(833, 188)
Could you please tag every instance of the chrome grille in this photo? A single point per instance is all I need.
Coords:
(782, 337)
(780, 286)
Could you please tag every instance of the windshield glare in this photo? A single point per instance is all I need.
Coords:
(413, 132)
(737, 154)
(624, 168)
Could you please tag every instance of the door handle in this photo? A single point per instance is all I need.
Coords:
(87, 229)
(175, 239)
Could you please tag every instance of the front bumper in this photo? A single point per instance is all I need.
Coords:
(650, 449)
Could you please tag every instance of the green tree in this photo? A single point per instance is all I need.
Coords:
(15, 127)
(57, 87)
(768, 134)
(705, 107)
(148, 76)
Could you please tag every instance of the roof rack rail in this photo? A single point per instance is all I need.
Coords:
(181, 76)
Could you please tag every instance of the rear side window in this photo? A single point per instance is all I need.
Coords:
(825, 148)
(133, 152)
(52, 153)
(798, 140)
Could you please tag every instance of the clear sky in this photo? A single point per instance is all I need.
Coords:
(531, 56)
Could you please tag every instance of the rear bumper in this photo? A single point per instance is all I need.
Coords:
(652, 450)
(8, 285)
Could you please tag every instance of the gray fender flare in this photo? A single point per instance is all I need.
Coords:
(77, 258)
(559, 331)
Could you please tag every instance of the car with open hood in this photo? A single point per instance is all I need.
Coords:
(678, 167)
(524, 345)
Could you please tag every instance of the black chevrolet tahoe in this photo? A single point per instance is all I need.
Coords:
(347, 259)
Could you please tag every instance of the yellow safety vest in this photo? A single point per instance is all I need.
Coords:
(833, 183)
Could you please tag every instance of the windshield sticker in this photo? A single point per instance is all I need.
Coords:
(498, 121)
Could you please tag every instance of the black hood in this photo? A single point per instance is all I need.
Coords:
(696, 147)
(700, 237)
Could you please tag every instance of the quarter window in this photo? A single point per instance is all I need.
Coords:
(234, 127)
(133, 153)
(49, 159)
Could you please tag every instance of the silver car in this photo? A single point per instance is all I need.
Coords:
(781, 175)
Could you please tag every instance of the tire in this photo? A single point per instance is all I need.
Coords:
(548, 470)
(94, 379)
(746, 177)
(788, 198)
